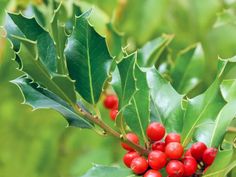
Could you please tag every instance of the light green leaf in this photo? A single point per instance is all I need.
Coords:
(102, 171)
(188, 69)
(222, 164)
(137, 114)
(45, 45)
(88, 59)
(202, 110)
(167, 102)
(61, 85)
(213, 131)
(39, 97)
(114, 41)
(227, 68)
(228, 88)
(151, 52)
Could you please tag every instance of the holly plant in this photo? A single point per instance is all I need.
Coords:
(68, 66)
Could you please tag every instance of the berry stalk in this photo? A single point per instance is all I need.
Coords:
(108, 130)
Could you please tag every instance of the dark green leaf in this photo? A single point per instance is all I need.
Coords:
(45, 45)
(102, 171)
(123, 79)
(12, 29)
(137, 114)
(88, 59)
(38, 97)
(61, 85)
(167, 103)
(59, 36)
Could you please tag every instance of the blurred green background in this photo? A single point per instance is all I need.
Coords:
(39, 143)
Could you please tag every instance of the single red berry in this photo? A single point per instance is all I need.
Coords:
(155, 131)
(131, 137)
(113, 114)
(158, 145)
(175, 168)
(157, 159)
(190, 166)
(209, 155)
(139, 165)
(188, 153)
(110, 102)
(172, 137)
(129, 156)
(197, 150)
(174, 150)
(152, 173)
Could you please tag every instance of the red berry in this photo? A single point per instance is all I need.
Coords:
(175, 168)
(129, 156)
(197, 150)
(188, 153)
(190, 166)
(209, 155)
(172, 137)
(157, 159)
(139, 165)
(158, 145)
(131, 137)
(110, 102)
(174, 150)
(155, 131)
(113, 114)
(152, 173)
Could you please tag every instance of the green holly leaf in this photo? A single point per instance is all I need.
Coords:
(124, 84)
(41, 98)
(123, 80)
(88, 59)
(188, 69)
(212, 131)
(222, 165)
(61, 85)
(59, 36)
(101, 171)
(228, 88)
(151, 52)
(13, 30)
(137, 114)
(227, 68)
(166, 102)
(202, 110)
(114, 41)
(34, 32)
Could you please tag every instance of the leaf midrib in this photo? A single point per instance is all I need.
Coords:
(89, 67)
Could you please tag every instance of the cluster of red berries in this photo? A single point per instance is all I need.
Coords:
(168, 154)
(111, 102)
